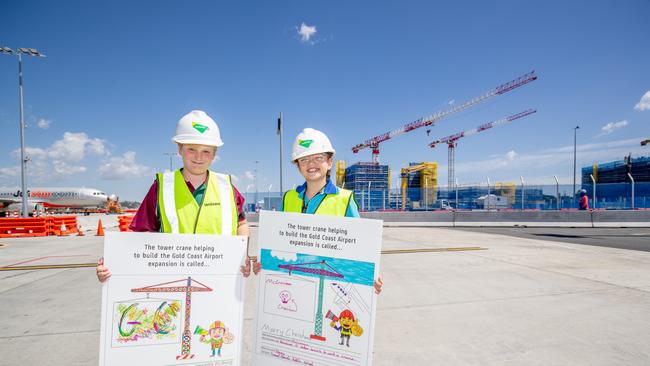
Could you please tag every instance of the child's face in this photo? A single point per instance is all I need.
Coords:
(314, 167)
(197, 158)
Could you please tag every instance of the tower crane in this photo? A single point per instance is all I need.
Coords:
(451, 140)
(374, 142)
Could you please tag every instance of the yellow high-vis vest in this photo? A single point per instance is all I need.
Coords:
(332, 204)
(180, 213)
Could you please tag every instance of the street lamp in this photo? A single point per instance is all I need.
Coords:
(575, 130)
(256, 190)
(171, 155)
(23, 160)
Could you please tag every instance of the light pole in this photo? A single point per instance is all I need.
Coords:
(281, 155)
(523, 192)
(270, 186)
(575, 133)
(171, 155)
(23, 160)
(256, 190)
(557, 192)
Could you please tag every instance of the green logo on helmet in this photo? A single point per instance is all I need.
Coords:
(305, 143)
(199, 127)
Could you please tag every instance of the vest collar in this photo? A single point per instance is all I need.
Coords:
(330, 188)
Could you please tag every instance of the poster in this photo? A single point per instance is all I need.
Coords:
(316, 301)
(172, 299)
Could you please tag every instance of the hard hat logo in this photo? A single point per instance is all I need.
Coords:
(199, 127)
(305, 143)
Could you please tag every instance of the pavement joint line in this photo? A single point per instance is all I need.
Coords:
(427, 250)
(503, 299)
(46, 257)
(50, 266)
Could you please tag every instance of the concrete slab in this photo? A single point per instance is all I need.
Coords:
(520, 302)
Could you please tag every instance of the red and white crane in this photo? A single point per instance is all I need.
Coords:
(451, 140)
(374, 142)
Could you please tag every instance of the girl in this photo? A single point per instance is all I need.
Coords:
(313, 155)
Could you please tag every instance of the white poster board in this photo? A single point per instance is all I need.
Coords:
(316, 301)
(172, 299)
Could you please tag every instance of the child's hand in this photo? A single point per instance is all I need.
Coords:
(257, 266)
(378, 284)
(246, 269)
(332, 324)
(102, 271)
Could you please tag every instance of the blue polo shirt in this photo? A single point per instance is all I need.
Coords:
(313, 203)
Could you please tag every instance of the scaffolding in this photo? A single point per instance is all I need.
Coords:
(370, 183)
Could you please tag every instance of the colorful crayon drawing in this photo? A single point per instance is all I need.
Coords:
(348, 325)
(216, 336)
(154, 320)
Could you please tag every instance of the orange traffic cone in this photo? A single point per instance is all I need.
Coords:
(100, 229)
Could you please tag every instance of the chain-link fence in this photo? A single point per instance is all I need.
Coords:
(499, 196)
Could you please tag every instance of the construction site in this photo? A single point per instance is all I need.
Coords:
(420, 187)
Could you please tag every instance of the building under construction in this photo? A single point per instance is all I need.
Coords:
(419, 185)
(369, 181)
(613, 181)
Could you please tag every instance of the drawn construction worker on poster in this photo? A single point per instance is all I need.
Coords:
(216, 336)
(348, 326)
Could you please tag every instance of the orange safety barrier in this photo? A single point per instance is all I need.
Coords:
(62, 225)
(124, 222)
(23, 227)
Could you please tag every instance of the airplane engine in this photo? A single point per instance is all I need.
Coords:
(31, 207)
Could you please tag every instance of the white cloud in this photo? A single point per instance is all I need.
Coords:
(123, 167)
(10, 172)
(285, 256)
(612, 126)
(306, 32)
(73, 147)
(62, 168)
(644, 103)
(511, 155)
(249, 175)
(44, 123)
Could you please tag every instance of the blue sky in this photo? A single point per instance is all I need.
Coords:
(103, 105)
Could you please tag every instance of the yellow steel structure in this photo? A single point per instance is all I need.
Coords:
(594, 170)
(428, 181)
(340, 173)
(506, 190)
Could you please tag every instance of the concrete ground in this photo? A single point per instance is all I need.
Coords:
(622, 238)
(522, 301)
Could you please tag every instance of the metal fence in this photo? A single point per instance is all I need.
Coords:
(611, 196)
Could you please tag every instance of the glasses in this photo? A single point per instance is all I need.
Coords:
(318, 158)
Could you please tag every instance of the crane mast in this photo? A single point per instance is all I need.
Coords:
(451, 140)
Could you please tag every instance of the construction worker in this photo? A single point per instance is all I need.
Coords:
(583, 202)
(313, 155)
(192, 199)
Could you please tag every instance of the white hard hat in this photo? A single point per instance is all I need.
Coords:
(197, 128)
(309, 142)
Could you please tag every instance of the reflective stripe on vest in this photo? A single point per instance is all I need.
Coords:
(180, 213)
(332, 204)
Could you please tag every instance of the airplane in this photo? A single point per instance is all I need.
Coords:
(61, 197)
